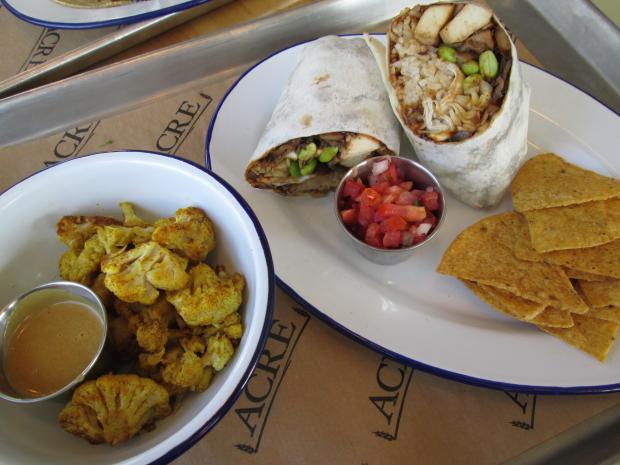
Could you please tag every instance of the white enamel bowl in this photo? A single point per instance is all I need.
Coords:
(158, 185)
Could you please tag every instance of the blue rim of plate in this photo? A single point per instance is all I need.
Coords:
(454, 376)
(179, 449)
(111, 22)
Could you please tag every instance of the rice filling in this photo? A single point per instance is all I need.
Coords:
(443, 93)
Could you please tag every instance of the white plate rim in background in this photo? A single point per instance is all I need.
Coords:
(48, 13)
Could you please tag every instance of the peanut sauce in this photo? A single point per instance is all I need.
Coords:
(51, 345)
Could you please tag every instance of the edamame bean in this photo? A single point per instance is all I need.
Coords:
(293, 168)
(328, 154)
(307, 152)
(309, 167)
(447, 53)
(470, 67)
(488, 64)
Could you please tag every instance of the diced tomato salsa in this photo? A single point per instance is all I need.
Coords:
(388, 211)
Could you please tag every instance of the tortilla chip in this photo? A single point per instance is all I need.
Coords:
(554, 318)
(583, 276)
(601, 260)
(575, 226)
(601, 294)
(505, 302)
(547, 181)
(610, 313)
(592, 335)
(476, 255)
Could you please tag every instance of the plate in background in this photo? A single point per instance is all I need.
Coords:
(48, 13)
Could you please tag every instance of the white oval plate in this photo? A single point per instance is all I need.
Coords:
(48, 13)
(158, 185)
(408, 311)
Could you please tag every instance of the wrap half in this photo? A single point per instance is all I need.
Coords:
(333, 113)
(456, 86)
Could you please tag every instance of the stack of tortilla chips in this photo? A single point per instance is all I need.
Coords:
(555, 262)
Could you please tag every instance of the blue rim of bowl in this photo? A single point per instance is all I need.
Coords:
(110, 22)
(454, 376)
(179, 449)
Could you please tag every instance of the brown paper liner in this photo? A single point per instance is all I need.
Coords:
(316, 396)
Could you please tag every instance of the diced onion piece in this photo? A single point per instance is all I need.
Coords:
(380, 167)
(424, 228)
(430, 189)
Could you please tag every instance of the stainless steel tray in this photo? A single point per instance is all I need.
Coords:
(573, 39)
(119, 87)
(592, 442)
(214, 58)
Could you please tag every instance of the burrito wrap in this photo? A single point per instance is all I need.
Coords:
(335, 90)
(478, 169)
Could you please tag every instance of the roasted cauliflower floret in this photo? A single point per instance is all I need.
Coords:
(184, 370)
(189, 233)
(114, 408)
(104, 294)
(148, 363)
(152, 332)
(133, 231)
(116, 238)
(75, 230)
(210, 297)
(122, 341)
(65, 265)
(136, 275)
(149, 323)
(194, 344)
(129, 215)
(231, 326)
(81, 266)
(219, 351)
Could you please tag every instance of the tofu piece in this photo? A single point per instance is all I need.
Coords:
(433, 19)
(358, 149)
(465, 23)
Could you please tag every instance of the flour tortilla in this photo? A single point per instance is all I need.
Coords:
(336, 87)
(477, 170)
